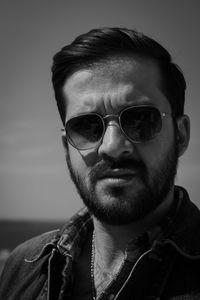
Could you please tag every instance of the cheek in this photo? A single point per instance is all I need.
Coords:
(154, 152)
(75, 160)
(81, 161)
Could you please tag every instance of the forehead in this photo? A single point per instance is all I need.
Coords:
(111, 86)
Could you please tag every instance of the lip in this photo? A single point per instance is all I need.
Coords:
(117, 175)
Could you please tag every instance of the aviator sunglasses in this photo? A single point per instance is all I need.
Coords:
(138, 123)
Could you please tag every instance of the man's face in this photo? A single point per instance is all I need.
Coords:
(121, 181)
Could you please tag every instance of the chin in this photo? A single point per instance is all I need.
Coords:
(120, 210)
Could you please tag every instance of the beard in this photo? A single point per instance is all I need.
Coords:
(116, 206)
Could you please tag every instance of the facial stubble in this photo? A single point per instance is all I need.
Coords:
(155, 185)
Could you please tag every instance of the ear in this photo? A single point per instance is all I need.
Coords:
(183, 133)
(64, 140)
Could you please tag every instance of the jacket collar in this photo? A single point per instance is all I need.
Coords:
(74, 234)
(184, 232)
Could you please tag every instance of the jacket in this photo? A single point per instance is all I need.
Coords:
(42, 268)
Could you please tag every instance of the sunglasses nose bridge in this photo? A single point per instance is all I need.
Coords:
(114, 141)
(107, 118)
(111, 117)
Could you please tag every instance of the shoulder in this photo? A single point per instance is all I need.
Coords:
(21, 264)
(33, 248)
(30, 251)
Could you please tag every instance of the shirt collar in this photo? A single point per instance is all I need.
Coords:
(183, 231)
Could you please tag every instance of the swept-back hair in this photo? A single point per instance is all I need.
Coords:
(100, 45)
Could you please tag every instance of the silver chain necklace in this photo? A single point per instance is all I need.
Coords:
(92, 270)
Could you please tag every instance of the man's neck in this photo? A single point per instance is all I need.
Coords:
(111, 240)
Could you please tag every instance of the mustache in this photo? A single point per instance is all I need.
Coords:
(109, 164)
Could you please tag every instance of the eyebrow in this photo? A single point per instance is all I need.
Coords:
(137, 102)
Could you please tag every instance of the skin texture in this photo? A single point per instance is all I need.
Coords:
(128, 187)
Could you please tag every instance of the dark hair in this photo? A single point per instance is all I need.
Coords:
(102, 44)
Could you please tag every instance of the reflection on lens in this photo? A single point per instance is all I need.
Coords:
(84, 131)
(141, 123)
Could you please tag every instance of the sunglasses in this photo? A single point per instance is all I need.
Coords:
(138, 123)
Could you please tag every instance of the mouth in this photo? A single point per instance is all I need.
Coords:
(118, 176)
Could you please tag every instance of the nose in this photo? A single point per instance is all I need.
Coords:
(114, 142)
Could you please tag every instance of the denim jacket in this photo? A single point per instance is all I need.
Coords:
(42, 268)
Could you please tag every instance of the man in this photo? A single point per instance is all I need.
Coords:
(121, 101)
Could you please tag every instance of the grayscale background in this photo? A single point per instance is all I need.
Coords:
(34, 181)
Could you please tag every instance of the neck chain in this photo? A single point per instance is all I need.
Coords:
(96, 267)
(92, 269)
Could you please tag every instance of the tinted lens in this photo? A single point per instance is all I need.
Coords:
(141, 123)
(85, 131)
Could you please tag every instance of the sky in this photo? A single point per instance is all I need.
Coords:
(34, 181)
